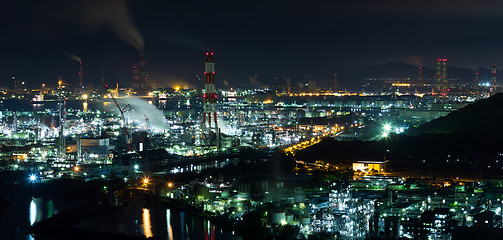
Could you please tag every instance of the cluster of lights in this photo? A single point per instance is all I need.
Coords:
(33, 178)
(387, 129)
(305, 144)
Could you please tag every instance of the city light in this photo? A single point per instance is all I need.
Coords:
(359, 132)
(33, 178)
(387, 127)
(145, 181)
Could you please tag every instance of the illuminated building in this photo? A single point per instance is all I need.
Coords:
(367, 166)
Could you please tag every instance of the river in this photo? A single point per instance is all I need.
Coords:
(149, 219)
(138, 218)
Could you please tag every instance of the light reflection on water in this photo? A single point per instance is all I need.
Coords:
(147, 227)
(33, 212)
(39, 209)
(152, 219)
(168, 224)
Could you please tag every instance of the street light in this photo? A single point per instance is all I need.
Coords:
(33, 178)
(387, 127)
(145, 181)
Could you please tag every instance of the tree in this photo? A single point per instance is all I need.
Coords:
(251, 226)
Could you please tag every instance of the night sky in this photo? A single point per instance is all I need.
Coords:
(249, 38)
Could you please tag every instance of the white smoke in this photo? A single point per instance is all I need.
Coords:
(115, 14)
(141, 108)
(74, 57)
(90, 15)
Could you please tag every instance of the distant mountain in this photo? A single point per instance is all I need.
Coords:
(350, 77)
(482, 117)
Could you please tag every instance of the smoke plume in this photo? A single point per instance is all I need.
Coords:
(55, 15)
(74, 57)
(115, 14)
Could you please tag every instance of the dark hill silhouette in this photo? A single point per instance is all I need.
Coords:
(483, 116)
(465, 142)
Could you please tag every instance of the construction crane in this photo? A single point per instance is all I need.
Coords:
(124, 123)
(147, 122)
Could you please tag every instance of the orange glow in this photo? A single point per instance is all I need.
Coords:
(147, 228)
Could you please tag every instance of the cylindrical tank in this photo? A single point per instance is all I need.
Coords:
(278, 217)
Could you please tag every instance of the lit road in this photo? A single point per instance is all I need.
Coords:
(336, 130)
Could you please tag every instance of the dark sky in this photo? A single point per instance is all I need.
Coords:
(264, 38)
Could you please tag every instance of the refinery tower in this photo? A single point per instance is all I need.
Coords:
(140, 78)
(210, 134)
(441, 82)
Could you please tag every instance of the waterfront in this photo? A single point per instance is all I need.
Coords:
(29, 206)
(149, 219)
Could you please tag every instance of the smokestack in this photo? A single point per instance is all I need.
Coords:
(209, 103)
(493, 79)
(81, 79)
(140, 77)
(419, 75)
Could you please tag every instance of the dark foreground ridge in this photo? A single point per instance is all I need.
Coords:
(482, 117)
(465, 142)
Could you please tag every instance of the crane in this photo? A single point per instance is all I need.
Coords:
(147, 122)
(124, 123)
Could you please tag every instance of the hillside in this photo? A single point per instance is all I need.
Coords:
(483, 116)
(467, 141)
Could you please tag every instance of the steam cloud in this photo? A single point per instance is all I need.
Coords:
(74, 57)
(141, 108)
